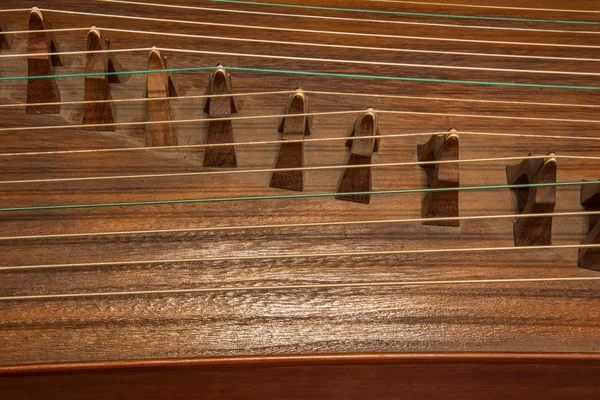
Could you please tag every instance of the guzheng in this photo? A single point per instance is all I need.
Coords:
(299, 199)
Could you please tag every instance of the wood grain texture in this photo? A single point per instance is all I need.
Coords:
(559, 317)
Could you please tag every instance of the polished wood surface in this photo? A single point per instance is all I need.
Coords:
(561, 317)
(376, 376)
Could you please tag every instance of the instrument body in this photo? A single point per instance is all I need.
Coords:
(443, 336)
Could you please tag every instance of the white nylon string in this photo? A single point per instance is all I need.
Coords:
(298, 255)
(348, 285)
(269, 142)
(178, 121)
(319, 60)
(147, 99)
(315, 92)
(297, 225)
(253, 117)
(296, 43)
(314, 168)
(10, 10)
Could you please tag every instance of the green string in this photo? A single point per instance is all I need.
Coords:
(290, 196)
(311, 73)
(415, 14)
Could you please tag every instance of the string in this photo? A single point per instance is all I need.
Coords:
(299, 255)
(313, 168)
(299, 225)
(282, 42)
(386, 12)
(487, 6)
(320, 60)
(6, 10)
(298, 30)
(306, 73)
(181, 121)
(291, 196)
(177, 21)
(267, 142)
(326, 286)
(316, 92)
(49, 30)
(147, 99)
(254, 117)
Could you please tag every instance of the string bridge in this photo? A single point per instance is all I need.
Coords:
(221, 131)
(291, 155)
(41, 61)
(534, 231)
(159, 85)
(361, 153)
(5, 40)
(97, 86)
(439, 204)
(589, 257)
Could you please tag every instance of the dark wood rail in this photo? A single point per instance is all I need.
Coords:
(376, 376)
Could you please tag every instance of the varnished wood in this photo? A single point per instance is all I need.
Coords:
(441, 204)
(350, 376)
(533, 200)
(505, 318)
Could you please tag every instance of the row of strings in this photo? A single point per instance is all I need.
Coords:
(37, 13)
(371, 137)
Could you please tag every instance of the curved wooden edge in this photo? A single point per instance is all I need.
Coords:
(306, 360)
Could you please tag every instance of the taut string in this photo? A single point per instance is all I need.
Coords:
(298, 225)
(320, 60)
(299, 255)
(147, 99)
(308, 73)
(315, 92)
(267, 142)
(313, 168)
(323, 113)
(257, 288)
